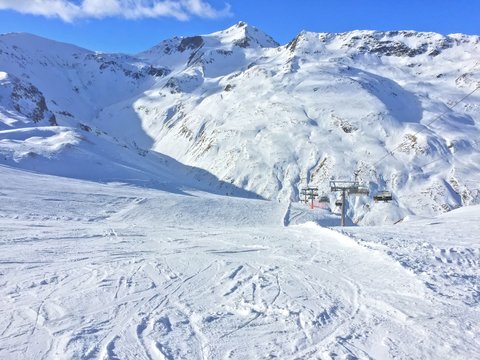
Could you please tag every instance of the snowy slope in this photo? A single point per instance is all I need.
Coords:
(51, 96)
(447, 259)
(109, 271)
(263, 117)
(326, 105)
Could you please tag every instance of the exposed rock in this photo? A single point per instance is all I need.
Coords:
(292, 45)
(243, 43)
(193, 42)
(29, 101)
(85, 127)
(157, 72)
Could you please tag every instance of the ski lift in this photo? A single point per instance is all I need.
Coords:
(309, 192)
(323, 199)
(359, 189)
(383, 195)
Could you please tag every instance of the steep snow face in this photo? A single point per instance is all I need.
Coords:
(326, 105)
(68, 111)
(269, 118)
(74, 81)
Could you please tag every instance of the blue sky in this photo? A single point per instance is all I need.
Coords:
(121, 28)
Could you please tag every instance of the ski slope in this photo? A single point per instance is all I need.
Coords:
(93, 270)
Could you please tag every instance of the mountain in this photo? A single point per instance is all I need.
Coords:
(235, 111)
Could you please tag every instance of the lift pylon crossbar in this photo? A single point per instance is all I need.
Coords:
(353, 187)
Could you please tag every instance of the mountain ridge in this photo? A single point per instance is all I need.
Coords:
(271, 119)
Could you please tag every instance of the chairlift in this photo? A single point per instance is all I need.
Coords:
(383, 195)
(309, 194)
(359, 189)
(323, 199)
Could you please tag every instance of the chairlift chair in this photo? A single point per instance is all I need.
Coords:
(383, 195)
(324, 199)
(359, 189)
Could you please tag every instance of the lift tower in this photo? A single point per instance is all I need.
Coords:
(350, 187)
(309, 193)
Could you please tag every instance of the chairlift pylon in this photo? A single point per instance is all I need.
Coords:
(309, 194)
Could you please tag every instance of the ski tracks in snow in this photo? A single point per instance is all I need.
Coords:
(128, 286)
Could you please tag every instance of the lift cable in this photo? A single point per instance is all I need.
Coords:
(449, 108)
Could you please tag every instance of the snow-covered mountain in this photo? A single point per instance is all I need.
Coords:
(235, 106)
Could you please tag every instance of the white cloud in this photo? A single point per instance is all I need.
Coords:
(70, 10)
(203, 9)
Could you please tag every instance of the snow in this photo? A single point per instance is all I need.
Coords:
(92, 270)
(265, 118)
(340, 100)
(149, 203)
(446, 259)
(46, 142)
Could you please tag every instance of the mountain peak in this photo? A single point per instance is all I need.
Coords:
(179, 51)
(241, 24)
(245, 35)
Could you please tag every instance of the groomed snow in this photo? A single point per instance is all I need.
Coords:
(114, 271)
